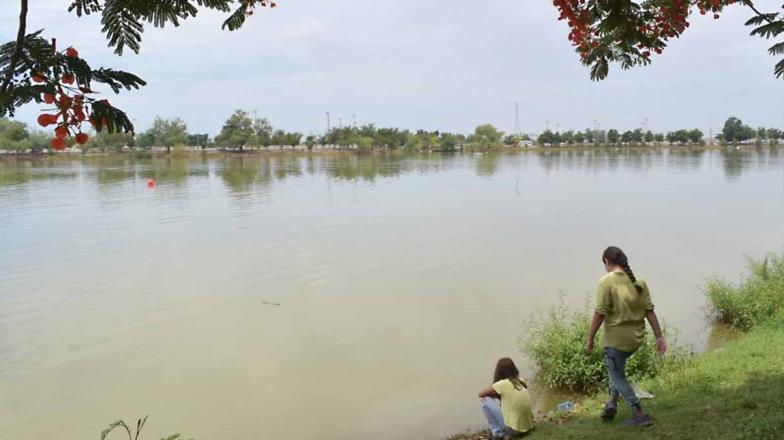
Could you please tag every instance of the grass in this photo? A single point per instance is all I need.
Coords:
(734, 393)
(556, 342)
(758, 298)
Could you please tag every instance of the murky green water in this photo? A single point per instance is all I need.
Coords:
(401, 279)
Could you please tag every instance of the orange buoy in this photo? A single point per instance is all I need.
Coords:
(150, 183)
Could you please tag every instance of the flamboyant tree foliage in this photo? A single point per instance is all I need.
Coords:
(629, 32)
(34, 69)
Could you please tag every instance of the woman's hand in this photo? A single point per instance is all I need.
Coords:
(661, 345)
(589, 347)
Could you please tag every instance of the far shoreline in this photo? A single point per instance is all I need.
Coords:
(139, 153)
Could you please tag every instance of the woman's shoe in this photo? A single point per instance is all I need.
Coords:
(610, 410)
(642, 421)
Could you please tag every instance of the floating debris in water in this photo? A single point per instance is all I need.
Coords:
(269, 303)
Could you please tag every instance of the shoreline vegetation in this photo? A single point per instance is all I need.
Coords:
(733, 391)
(242, 133)
(195, 151)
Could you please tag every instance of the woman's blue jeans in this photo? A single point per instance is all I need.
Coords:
(492, 409)
(615, 361)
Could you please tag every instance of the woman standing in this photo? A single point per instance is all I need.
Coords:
(623, 302)
(512, 417)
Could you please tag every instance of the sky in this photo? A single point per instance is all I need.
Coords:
(433, 65)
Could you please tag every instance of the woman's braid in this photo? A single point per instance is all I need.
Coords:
(630, 274)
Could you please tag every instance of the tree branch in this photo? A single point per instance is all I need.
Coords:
(20, 35)
(756, 11)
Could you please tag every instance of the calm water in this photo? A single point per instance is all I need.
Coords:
(401, 279)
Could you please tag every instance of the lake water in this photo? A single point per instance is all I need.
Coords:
(401, 280)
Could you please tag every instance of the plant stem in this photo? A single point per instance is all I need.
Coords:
(20, 35)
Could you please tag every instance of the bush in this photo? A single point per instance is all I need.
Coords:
(556, 341)
(758, 298)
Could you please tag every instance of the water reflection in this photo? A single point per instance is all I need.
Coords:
(243, 173)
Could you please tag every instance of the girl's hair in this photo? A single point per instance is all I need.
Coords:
(506, 369)
(615, 256)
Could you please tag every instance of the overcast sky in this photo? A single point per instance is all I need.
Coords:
(421, 64)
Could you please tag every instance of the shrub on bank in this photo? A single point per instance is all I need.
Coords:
(556, 341)
(757, 298)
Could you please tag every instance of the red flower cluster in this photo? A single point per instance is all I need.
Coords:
(70, 107)
(251, 5)
(646, 26)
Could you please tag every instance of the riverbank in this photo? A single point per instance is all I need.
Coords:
(732, 392)
(333, 149)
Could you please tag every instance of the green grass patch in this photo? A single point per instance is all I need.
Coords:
(757, 298)
(556, 341)
(732, 393)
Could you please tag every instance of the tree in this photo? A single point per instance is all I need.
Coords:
(166, 133)
(658, 137)
(590, 136)
(613, 136)
(201, 140)
(105, 141)
(262, 129)
(12, 131)
(486, 136)
(34, 70)
(279, 138)
(627, 137)
(649, 137)
(546, 138)
(695, 136)
(735, 131)
(626, 32)
(448, 141)
(241, 130)
(15, 135)
(579, 138)
(293, 138)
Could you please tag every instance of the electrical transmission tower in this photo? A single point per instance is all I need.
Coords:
(517, 119)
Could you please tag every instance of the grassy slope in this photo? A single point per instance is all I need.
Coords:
(736, 392)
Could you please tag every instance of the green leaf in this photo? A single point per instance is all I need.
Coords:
(760, 19)
(122, 27)
(599, 70)
(777, 49)
(110, 428)
(85, 7)
(779, 69)
(164, 11)
(117, 79)
(139, 425)
(236, 19)
(219, 5)
(769, 30)
(80, 69)
(109, 118)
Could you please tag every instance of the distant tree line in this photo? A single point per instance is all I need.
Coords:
(241, 131)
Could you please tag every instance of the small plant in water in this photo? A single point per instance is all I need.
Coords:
(132, 436)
